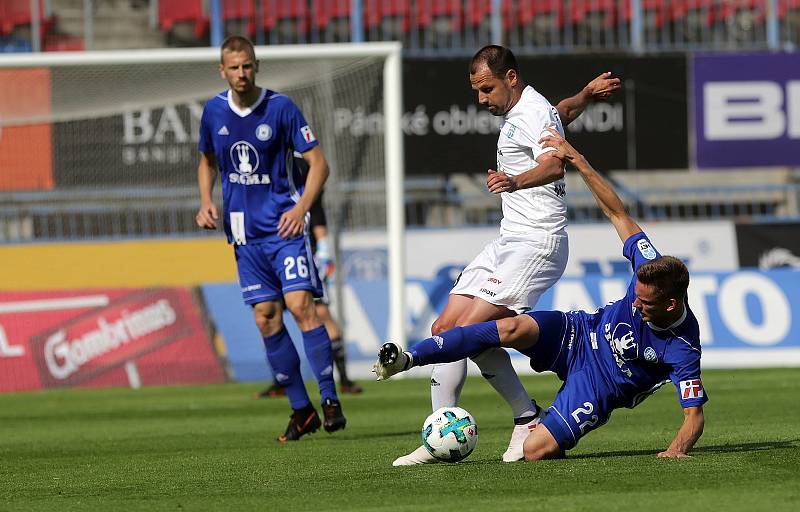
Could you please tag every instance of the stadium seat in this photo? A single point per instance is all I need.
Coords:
(327, 11)
(183, 11)
(12, 45)
(547, 11)
(702, 10)
(242, 14)
(479, 11)
(15, 13)
(603, 10)
(291, 12)
(654, 12)
(389, 15)
(430, 10)
(63, 43)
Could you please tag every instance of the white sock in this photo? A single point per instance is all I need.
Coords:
(495, 365)
(447, 379)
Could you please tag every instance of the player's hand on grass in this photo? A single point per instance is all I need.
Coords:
(563, 149)
(207, 216)
(673, 454)
(499, 182)
(602, 87)
(291, 223)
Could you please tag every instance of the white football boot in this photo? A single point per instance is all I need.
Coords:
(419, 456)
(522, 429)
(391, 361)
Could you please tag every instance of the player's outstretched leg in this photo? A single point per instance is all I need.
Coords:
(391, 361)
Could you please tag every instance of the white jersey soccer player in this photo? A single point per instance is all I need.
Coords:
(531, 252)
(530, 255)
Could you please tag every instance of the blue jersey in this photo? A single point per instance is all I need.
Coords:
(635, 358)
(253, 149)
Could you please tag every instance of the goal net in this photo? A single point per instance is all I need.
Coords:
(102, 145)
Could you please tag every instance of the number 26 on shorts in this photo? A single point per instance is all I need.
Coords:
(294, 267)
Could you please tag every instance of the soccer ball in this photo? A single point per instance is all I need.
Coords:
(450, 434)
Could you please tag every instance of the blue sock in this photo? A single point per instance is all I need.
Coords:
(456, 344)
(285, 362)
(320, 356)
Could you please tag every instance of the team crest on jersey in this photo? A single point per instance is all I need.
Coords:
(244, 157)
(308, 135)
(263, 132)
(646, 249)
(623, 345)
(650, 355)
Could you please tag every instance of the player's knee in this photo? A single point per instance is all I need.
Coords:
(512, 331)
(439, 326)
(268, 319)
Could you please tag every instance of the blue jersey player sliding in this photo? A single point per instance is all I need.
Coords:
(249, 134)
(614, 357)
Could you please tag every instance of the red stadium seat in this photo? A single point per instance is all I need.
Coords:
(376, 11)
(529, 10)
(478, 10)
(428, 10)
(786, 6)
(182, 11)
(14, 13)
(63, 43)
(680, 9)
(277, 11)
(325, 11)
(582, 9)
(243, 11)
(656, 11)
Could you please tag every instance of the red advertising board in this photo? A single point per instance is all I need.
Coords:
(98, 338)
(26, 156)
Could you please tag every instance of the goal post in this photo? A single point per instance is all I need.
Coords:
(107, 103)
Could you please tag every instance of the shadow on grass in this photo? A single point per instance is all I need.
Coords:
(718, 448)
(376, 435)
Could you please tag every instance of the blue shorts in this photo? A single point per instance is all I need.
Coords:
(584, 401)
(268, 270)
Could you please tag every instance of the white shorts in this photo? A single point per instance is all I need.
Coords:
(514, 271)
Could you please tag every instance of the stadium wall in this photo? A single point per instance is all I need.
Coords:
(55, 295)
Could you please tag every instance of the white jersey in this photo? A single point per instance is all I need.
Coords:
(537, 209)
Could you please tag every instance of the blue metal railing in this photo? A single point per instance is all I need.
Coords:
(91, 214)
(446, 27)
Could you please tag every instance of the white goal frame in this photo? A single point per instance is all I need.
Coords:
(391, 52)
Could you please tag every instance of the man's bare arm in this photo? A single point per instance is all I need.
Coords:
(207, 215)
(601, 88)
(689, 433)
(550, 169)
(604, 194)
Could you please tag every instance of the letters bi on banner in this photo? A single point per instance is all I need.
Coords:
(104, 338)
(747, 109)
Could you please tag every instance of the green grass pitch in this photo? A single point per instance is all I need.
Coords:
(213, 448)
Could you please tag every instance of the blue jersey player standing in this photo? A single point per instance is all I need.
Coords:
(615, 357)
(249, 134)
